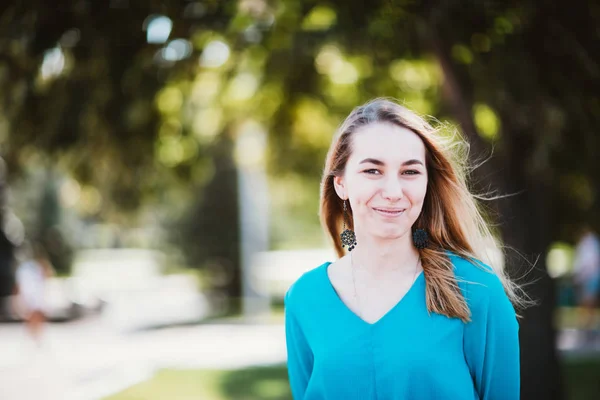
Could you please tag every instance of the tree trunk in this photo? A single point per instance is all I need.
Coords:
(526, 228)
(524, 221)
(210, 232)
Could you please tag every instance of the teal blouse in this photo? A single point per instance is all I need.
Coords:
(409, 353)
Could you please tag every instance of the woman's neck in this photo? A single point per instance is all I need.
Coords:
(381, 256)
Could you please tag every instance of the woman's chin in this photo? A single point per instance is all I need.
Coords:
(390, 234)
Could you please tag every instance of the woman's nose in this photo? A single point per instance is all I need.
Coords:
(392, 190)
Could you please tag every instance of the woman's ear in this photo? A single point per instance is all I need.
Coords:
(340, 187)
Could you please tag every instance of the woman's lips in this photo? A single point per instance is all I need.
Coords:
(390, 212)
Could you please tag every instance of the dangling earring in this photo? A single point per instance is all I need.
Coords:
(348, 236)
(420, 238)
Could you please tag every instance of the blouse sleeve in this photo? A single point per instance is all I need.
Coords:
(491, 342)
(299, 354)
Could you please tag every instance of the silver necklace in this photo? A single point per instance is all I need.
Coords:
(356, 299)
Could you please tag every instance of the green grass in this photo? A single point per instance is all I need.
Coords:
(257, 383)
(582, 379)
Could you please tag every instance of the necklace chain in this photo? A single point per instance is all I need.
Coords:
(356, 299)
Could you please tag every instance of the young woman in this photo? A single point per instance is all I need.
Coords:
(411, 311)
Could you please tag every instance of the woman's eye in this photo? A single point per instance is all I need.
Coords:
(372, 171)
(412, 172)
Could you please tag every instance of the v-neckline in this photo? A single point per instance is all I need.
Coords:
(337, 297)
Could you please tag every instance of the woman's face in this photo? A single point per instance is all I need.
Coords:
(385, 180)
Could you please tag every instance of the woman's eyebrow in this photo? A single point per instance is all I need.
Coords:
(413, 161)
(372, 161)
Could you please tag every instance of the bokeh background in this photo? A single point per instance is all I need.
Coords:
(167, 155)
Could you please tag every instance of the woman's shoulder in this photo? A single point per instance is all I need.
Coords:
(483, 290)
(306, 285)
(475, 276)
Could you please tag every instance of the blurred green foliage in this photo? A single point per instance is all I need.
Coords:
(134, 121)
(131, 120)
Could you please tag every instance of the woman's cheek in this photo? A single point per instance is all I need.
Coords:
(367, 192)
(419, 190)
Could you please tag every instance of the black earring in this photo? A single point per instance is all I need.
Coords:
(348, 236)
(420, 238)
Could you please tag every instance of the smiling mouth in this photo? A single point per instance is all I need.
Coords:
(390, 212)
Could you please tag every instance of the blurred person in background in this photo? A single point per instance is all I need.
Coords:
(33, 270)
(586, 277)
(412, 311)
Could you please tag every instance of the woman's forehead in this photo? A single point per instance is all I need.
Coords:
(388, 142)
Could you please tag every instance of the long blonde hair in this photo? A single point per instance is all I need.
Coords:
(451, 214)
